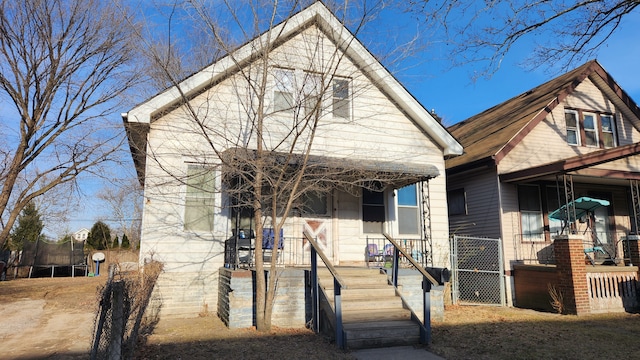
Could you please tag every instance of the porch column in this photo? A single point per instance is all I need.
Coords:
(631, 245)
(572, 273)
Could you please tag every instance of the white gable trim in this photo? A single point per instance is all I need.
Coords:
(344, 39)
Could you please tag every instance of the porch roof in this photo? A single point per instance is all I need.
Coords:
(341, 171)
(581, 165)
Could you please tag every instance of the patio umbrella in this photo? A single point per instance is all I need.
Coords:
(583, 205)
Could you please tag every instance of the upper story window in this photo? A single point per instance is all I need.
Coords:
(573, 130)
(590, 129)
(199, 200)
(283, 95)
(341, 99)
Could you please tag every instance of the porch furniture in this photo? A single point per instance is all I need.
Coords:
(268, 241)
(372, 254)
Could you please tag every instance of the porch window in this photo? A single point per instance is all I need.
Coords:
(283, 95)
(608, 131)
(573, 131)
(199, 201)
(590, 129)
(372, 211)
(530, 213)
(408, 214)
(341, 99)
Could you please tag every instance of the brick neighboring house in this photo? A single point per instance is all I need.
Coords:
(576, 136)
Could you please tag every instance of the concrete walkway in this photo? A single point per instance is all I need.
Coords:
(395, 353)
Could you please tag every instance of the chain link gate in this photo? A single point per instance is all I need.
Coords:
(477, 271)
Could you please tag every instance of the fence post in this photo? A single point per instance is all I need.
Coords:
(114, 351)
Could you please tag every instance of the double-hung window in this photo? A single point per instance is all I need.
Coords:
(408, 214)
(573, 127)
(283, 95)
(530, 213)
(199, 200)
(608, 131)
(589, 124)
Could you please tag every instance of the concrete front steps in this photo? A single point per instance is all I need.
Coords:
(372, 314)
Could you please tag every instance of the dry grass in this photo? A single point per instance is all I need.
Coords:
(482, 332)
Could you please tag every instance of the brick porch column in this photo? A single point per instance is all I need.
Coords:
(631, 244)
(572, 273)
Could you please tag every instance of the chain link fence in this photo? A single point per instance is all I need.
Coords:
(121, 314)
(477, 271)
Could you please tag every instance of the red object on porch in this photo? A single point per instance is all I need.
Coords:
(572, 273)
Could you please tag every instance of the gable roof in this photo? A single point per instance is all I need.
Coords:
(138, 119)
(490, 135)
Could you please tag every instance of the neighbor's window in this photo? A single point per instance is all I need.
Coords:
(573, 133)
(199, 202)
(341, 99)
(590, 129)
(408, 214)
(372, 211)
(283, 95)
(457, 202)
(530, 213)
(608, 131)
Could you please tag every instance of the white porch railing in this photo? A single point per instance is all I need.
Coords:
(612, 291)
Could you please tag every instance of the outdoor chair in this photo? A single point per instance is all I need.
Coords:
(268, 240)
(373, 255)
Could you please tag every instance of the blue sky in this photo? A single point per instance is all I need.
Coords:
(450, 91)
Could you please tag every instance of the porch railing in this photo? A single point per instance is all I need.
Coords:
(294, 251)
(538, 248)
(609, 290)
(338, 285)
(427, 281)
(379, 252)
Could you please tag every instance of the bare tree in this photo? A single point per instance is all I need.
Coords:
(124, 202)
(63, 68)
(565, 32)
(258, 129)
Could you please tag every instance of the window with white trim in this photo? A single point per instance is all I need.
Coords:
(314, 203)
(573, 127)
(608, 131)
(341, 98)
(283, 95)
(590, 129)
(408, 212)
(199, 199)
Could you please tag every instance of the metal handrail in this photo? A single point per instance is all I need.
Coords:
(427, 282)
(338, 285)
(411, 260)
